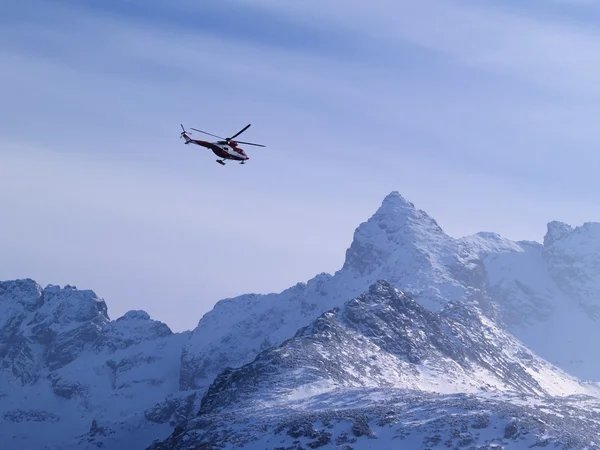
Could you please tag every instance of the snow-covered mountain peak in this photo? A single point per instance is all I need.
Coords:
(397, 213)
(397, 231)
(64, 365)
(18, 298)
(395, 221)
(45, 328)
(556, 230)
(380, 292)
(572, 255)
(559, 232)
(395, 204)
(485, 243)
(25, 292)
(70, 305)
(381, 298)
(132, 328)
(137, 314)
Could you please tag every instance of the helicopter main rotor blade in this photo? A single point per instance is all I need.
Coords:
(250, 143)
(239, 132)
(213, 135)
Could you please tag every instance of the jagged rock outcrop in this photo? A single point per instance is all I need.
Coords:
(132, 328)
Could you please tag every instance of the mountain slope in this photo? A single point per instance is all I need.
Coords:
(379, 346)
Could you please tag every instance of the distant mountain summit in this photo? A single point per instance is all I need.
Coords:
(414, 325)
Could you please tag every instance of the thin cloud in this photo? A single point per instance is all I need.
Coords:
(537, 48)
(451, 107)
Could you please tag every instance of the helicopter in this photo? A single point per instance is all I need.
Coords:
(226, 148)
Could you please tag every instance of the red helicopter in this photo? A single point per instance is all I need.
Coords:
(226, 148)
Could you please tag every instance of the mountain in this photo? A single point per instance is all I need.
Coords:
(385, 338)
(528, 288)
(70, 376)
(381, 361)
(398, 243)
(484, 324)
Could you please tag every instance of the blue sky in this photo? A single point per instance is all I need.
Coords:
(484, 114)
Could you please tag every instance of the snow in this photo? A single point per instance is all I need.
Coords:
(310, 390)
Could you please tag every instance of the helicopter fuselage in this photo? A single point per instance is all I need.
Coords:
(221, 149)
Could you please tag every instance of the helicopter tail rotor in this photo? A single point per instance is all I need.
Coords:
(184, 134)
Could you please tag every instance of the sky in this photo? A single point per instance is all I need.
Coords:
(483, 114)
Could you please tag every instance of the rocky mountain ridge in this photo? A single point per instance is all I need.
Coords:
(383, 338)
(353, 372)
(82, 379)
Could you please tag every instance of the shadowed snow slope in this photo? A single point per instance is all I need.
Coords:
(378, 344)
